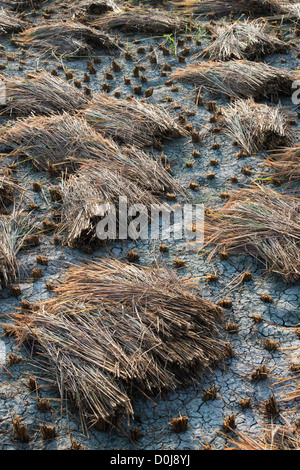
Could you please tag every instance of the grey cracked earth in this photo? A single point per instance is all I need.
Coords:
(232, 378)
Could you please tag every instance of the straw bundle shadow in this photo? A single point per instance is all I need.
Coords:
(10, 23)
(140, 21)
(13, 230)
(238, 78)
(85, 194)
(41, 94)
(286, 165)
(224, 8)
(131, 122)
(257, 126)
(263, 223)
(242, 40)
(64, 37)
(61, 143)
(116, 330)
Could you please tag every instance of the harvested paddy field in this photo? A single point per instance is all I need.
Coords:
(128, 341)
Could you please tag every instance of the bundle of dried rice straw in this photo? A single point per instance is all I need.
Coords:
(131, 122)
(42, 93)
(286, 165)
(82, 9)
(13, 231)
(10, 22)
(61, 143)
(115, 330)
(65, 38)
(242, 40)
(8, 186)
(20, 4)
(263, 223)
(256, 126)
(227, 7)
(238, 78)
(85, 194)
(140, 21)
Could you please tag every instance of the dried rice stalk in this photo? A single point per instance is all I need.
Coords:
(131, 122)
(10, 23)
(263, 223)
(257, 126)
(41, 94)
(237, 78)
(140, 21)
(64, 38)
(242, 40)
(115, 329)
(61, 143)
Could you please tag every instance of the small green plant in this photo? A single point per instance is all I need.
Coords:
(200, 33)
(188, 29)
(171, 39)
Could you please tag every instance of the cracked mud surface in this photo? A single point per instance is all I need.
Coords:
(279, 320)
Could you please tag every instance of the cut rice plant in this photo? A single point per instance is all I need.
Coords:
(41, 94)
(131, 122)
(227, 7)
(115, 330)
(238, 78)
(10, 22)
(261, 222)
(64, 38)
(242, 40)
(60, 143)
(13, 231)
(256, 126)
(140, 21)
